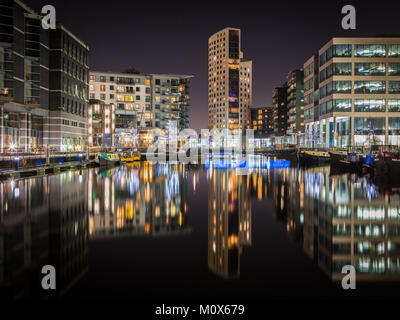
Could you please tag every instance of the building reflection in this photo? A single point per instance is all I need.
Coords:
(37, 229)
(341, 221)
(229, 221)
(138, 200)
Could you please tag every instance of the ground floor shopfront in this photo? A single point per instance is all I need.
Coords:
(342, 131)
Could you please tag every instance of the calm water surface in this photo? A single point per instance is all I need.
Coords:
(189, 232)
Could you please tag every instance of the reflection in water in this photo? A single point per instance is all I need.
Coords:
(229, 221)
(138, 200)
(42, 221)
(340, 221)
(337, 220)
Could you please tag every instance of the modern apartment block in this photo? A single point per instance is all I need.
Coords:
(101, 124)
(229, 82)
(311, 96)
(262, 121)
(295, 104)
(279, 100)
(358, 89)
(143, 102)
(43, 83)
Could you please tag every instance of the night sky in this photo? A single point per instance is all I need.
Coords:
(172, 37)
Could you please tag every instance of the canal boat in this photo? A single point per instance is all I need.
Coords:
(108, 160)
(342, 161)
(387, 164)
(311, 158)
(130, 157)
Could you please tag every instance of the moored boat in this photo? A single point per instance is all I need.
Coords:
(310, 158)
(108, 160)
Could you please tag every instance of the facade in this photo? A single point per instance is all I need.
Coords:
(229, 82)
(358, 92)
(295, 104)
(262, 121)
(311, 99)
(142, 102)
(101, 124)
(43, 83)
(279, 99)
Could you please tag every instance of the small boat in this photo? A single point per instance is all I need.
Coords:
(342, 161)
(310, 158)
(386, 165)
(108, 160)
(129, 157)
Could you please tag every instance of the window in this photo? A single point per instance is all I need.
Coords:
(394, 69)
(394, 50)
(369, 105)
(370, 50)
(342, 50)
(102, 96)
(394, 105)
(370, 69)
(394, 87)
(342, 105)
(362, 87)
(367, 126)
(342, 69)
(341, 86)
(102, 88)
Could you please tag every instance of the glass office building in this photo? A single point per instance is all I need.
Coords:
(352, 93)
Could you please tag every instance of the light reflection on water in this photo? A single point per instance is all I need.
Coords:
(336, 220)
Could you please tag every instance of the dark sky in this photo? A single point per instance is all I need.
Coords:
(172, 37)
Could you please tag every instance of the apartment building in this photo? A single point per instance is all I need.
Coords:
(142, 102)
(229, 82)
(358, 92)
(295, 104)
(262, 121)
(279, 100)
(43, 83)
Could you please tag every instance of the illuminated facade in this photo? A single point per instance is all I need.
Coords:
(142, 102)
(229, 221)
(43, 83)
(295, 104)
(101, 124)
(354, 97)
(230, 79)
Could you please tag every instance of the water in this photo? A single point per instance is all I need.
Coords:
(189, 232)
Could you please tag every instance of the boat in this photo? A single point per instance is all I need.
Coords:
(129, 157)
(310, 158)
(108, 160)
(386, 168)
(353, 162)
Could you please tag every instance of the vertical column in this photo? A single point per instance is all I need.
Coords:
(25, 140)
(386, 130)
(351, 131)
(1, 129)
